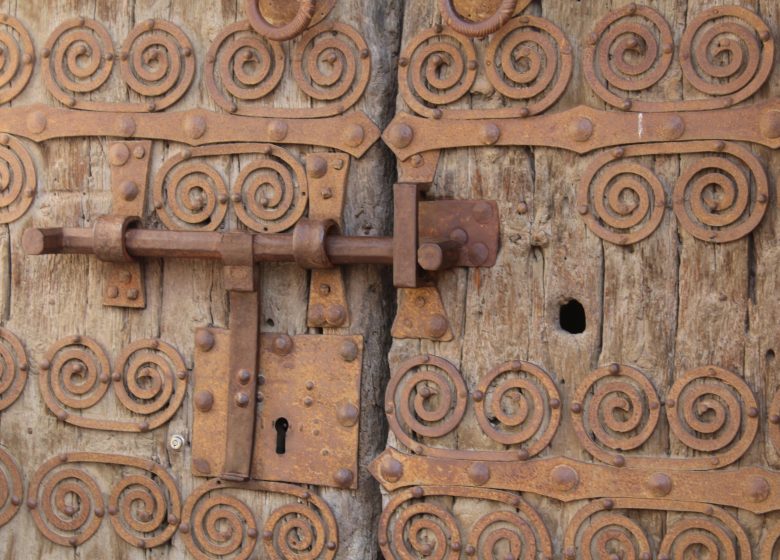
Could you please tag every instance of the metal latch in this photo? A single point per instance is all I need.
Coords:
(281, 408)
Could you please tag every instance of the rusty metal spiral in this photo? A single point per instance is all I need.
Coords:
(530, 60)
(157, 62)
(18, 179)
(332, 62)
(770, 544)
(11, 487)
(189, 193)
(704, 537)
(271, 191)
(79, 57)
(773, 427)
(713, 410)
(522, 534)
(17, 57)
(67, 504)
(619, 406)
(722, 197)
(241, 67)
(13, 368)
(629, 50)
(426, 396)
(612, 533)
(727, 51)
(482, 28)
(436, 68)
(74, 375)
(621, 201)
(151, 378)
(426, 529)
(518, 403)
(290, 30)
(215, 524)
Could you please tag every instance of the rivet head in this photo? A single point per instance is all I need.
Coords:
(36, 122)
(391, 469)
(344, 478)
(128, 190)
(308, 401)
(204, 400)
(139, 152)
(478, 396)
(479, 473)
(282, 345)
(581, 129)
(316, 166)
(576, 408)
(758, 488)
(354, 135)
(118, 154)
(336, 315)
(418, 492)
(112, 292)
(244, 376)
(523, 454)
(195, 126)
(659, 484)
(564, 477)
(349, 351)
(400, 135)
(348, 415)
(201, 465)
(672, 127)
(489, 134)
(242, 399)
(277, 130)
(132, 294)
(437, 326)
(127, 126)
(614, 369)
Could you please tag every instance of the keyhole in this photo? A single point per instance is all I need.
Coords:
(281, 425)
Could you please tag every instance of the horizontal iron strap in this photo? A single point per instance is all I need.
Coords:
(206, 245)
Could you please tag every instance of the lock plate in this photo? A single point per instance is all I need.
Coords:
(311, 381)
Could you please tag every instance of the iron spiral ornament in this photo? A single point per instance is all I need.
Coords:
(18, 179)
(14, 368)
(17, 58)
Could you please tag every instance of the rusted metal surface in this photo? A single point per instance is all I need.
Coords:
(416, 523)
(720, 197)
(474, 224)
(584, 129)
(11, 487)
(18, 178)
(421, 314)
(427, 396)
(68, 504)
(319, 403)
(439, 67)
(156, 61)
(406, 207)
(469, 17)
(561, 478)
(303, 528)
(297, 23)
(19, 62)
(14, 368)
(327, 299)
(352, 133)
(600, 527)
(331, 64)
(630, 50)
(774, 420)
(149, 379)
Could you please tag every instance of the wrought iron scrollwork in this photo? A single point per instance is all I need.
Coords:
(216, 523)
(149, 379)
(68, 505)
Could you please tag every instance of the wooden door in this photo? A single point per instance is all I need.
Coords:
(606, 389)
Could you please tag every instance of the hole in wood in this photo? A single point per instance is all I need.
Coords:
(572, 317)
(281, 425)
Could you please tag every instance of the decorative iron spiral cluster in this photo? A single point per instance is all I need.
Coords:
(725, 53)
(722, 197)
(215, 524)
(604, 531)
(17, 57)
(518, 404)
(150, 379)
(411, 527)
(11, 488)
(621, 201)
(426, 396)
(156, 62)
(242, 66)
(13, 368)
(18, 180)
(269, 195)
(68, 506)
(530, 60)
(713, 410)
(619, 406)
